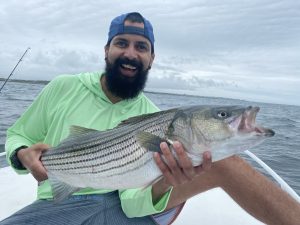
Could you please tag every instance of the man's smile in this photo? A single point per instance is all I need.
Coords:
(127, 66)
(128, 70)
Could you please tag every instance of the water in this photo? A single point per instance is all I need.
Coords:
(281, 153)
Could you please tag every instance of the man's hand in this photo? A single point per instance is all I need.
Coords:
(176, 172)
(30, 158)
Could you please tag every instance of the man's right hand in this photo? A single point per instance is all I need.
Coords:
(30, 158)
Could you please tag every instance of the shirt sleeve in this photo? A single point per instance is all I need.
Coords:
(31, 127)
(138, 202)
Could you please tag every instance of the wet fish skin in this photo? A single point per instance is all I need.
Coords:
(122, 157)
(224, 130)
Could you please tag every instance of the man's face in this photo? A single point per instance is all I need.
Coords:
(128, 60)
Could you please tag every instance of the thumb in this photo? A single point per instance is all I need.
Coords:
(41, 147)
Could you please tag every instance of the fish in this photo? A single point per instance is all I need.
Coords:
(122, 157)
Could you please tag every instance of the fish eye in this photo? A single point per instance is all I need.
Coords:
(222, 114)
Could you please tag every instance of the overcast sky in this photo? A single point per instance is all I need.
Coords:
(240, 49)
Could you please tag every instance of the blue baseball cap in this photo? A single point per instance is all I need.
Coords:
(117, 27)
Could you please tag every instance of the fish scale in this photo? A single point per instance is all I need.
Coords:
(109, 155)
(106, 138)
(122, 157)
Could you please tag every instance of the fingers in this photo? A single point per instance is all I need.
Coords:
(30, 158)
(40, 147)
(169, 178)
(38, 171)
(180, 170)
(184, 161)
(207, 162)
(168, 166)
(170, 160)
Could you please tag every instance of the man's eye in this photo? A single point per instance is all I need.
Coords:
(142, 47)
(121, 44)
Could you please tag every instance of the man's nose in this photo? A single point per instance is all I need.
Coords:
(130, 52)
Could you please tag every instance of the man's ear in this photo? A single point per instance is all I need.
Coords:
(106, 49)
(151, 60)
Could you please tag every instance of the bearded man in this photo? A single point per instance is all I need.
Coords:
(101, 101)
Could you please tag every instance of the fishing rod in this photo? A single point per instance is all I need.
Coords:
(14, 69)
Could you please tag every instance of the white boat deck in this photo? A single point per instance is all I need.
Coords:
(212, 207)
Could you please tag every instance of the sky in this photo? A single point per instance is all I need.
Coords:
(239, 49)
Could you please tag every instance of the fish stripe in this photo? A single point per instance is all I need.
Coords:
(73, 169)
(119, 133)
(106, 143)
(101, 151)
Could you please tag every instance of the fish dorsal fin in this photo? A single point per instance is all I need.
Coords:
(136, 119)
(149, 141)
(77, 130)
(141, 118)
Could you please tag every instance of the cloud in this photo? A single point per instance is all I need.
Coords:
(217, 44)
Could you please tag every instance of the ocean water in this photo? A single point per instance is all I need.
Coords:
(281, 153)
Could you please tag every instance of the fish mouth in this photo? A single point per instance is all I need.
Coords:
(247, 123)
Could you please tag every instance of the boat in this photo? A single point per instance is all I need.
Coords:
(211, 207)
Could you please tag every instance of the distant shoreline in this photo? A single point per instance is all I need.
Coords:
(26, 81)
(145, 91)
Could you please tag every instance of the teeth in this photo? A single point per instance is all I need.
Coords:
(129, 66)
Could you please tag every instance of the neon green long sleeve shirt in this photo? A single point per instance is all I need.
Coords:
(79, 100)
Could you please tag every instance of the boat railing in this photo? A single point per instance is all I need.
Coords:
(278, 179)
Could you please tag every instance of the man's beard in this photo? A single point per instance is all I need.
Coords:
(120, 85)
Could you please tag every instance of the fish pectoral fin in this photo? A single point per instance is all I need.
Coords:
(149, 141)
(60, 189)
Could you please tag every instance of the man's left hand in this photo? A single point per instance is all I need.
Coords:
(177, 171)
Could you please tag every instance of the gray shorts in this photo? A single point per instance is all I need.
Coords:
(85, 210)
(167, 217)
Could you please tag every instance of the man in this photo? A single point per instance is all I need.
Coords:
(101, 101)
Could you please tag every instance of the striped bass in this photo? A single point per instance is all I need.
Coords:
(122, 157)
